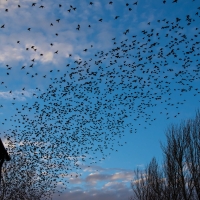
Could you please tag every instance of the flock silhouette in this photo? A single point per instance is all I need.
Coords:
(91, 103)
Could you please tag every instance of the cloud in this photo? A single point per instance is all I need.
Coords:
(19, 95)
(118, 193)
(107, 183)
(117, 186)
(69, 40)
(122, 176)
(93, 178)
(75, 180)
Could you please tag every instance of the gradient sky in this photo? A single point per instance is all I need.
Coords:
(108, 178)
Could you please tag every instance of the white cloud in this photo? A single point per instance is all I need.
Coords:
(122, 175)
(95, 177)
(9, 95)
(94, 194)
(112, 185)
(11, 53)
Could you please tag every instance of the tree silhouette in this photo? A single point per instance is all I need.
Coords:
(179, 176)
(23, 178)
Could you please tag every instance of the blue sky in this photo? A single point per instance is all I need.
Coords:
(151, 81)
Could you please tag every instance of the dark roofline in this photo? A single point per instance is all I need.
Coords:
(3, 152)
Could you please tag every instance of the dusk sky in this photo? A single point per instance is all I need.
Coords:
(116, 73)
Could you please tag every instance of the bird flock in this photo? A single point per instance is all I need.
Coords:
(90, 104)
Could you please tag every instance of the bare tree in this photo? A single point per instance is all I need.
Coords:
(193, 153)
(149, 183)
(23, 179)
(179, 176)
